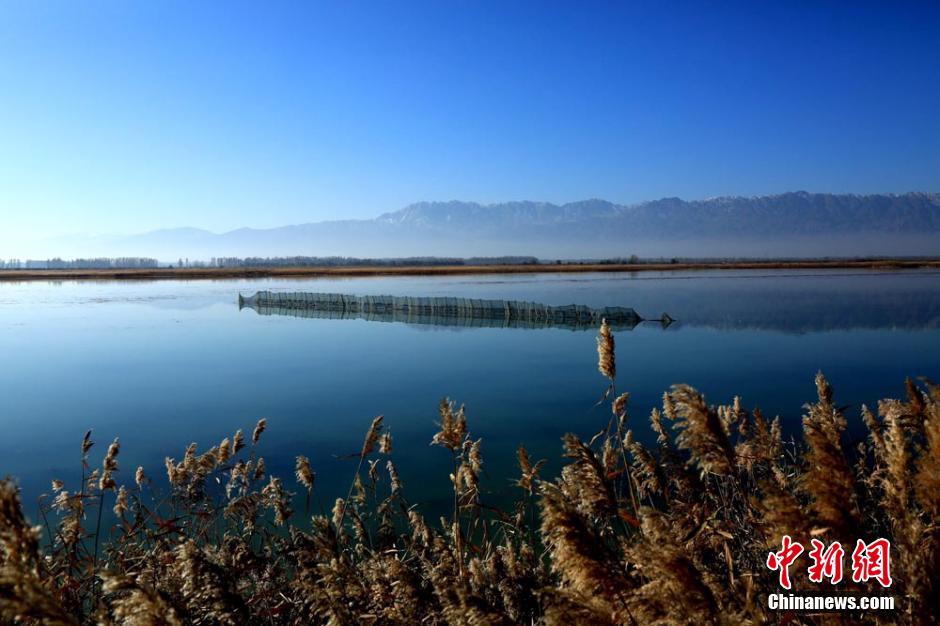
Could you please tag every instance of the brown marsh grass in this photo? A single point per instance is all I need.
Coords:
(676, 533)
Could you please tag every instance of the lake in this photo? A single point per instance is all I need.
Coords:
(160, 364)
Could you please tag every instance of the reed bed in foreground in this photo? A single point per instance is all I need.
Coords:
(675, 533)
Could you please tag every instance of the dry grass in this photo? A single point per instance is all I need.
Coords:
(167, 273)
(673, 534)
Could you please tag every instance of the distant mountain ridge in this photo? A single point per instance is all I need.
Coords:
(789, 224)
(793, 213)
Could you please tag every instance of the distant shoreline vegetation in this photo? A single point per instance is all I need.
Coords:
(80, 264)
(402, 267)
(58, 263)
(238, 262)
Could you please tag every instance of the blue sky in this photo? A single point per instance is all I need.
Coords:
(121, 117)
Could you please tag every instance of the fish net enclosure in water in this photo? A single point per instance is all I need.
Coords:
(443, 311)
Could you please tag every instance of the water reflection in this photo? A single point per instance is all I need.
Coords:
(166, 363)
(795, 304)
(443, 311)
(806, 304)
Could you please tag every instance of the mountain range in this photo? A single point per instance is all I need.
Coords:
(789, 224)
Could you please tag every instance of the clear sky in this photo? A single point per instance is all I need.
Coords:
(121, 117)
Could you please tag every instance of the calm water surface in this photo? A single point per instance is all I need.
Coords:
(164, 363)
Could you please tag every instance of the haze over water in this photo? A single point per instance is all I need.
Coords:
(161, 364)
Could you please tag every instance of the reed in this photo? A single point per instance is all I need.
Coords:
(675, 533)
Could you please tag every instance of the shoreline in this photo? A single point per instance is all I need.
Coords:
(447, 270)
